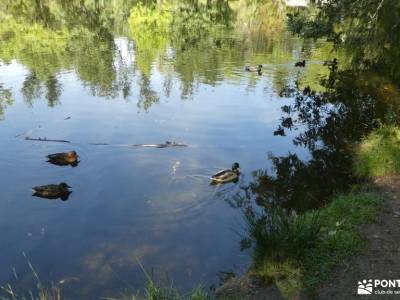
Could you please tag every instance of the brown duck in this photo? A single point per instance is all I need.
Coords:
(64, 158)
(300, 64)
(52, 191)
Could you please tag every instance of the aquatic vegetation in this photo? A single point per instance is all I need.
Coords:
(152, 291)
(278, 236)
(378, 154)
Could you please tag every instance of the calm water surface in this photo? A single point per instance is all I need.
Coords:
(130, 204)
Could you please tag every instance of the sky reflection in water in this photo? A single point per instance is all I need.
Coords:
(130, 204)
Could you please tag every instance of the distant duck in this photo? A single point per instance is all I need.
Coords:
(64, 158)
(52, 191)
(332, 65)
(254, 69)
(227, 175)
(329, 63)
(300, 64)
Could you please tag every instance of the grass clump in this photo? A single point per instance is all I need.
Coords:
(378, 154)
(168, 292)
(309, 246)
(153, 291)
(277, 236)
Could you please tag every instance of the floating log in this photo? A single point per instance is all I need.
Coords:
(45, 140)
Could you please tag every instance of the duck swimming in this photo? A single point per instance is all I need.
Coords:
(254, 69)
(332, 65)
(227, 175)
(329, 63)
(64, 158)
(52, 191)
(165, 145)
(300, 64)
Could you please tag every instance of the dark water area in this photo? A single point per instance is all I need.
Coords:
(155, 206)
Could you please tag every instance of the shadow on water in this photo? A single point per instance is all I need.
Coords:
(328, 124)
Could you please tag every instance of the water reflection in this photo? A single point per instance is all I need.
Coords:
(107, 66)
(86, 80)
(5, 100)
(327, 124)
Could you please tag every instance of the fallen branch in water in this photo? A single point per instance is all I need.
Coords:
(45, 140)
(99, 144)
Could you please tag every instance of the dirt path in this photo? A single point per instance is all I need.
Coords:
(381, 260)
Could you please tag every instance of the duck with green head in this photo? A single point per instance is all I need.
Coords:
(254, 69)
(228, 175)
(332, 65)
(52, 191)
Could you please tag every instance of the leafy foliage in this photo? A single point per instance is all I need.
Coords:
(367, 29)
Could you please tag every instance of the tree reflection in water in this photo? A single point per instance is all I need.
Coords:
(328, 125)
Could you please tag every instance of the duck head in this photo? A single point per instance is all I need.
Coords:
(63, 185)
(72, 154)
(259, 69)
(236, 168)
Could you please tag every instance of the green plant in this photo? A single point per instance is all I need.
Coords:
(300, 253)
(378, 154)
(278, 236)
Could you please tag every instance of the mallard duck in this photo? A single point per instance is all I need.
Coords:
(300, 64)
(332, 65)
(52, 191)
(165, 145)
(64, 158)
(227, 175)
(254, 69)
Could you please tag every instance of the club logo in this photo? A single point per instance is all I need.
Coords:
(365, 287)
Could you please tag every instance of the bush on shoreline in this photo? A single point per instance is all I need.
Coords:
(337, 240)
(378, 154)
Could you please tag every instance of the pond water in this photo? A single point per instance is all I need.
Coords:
(133, 205)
